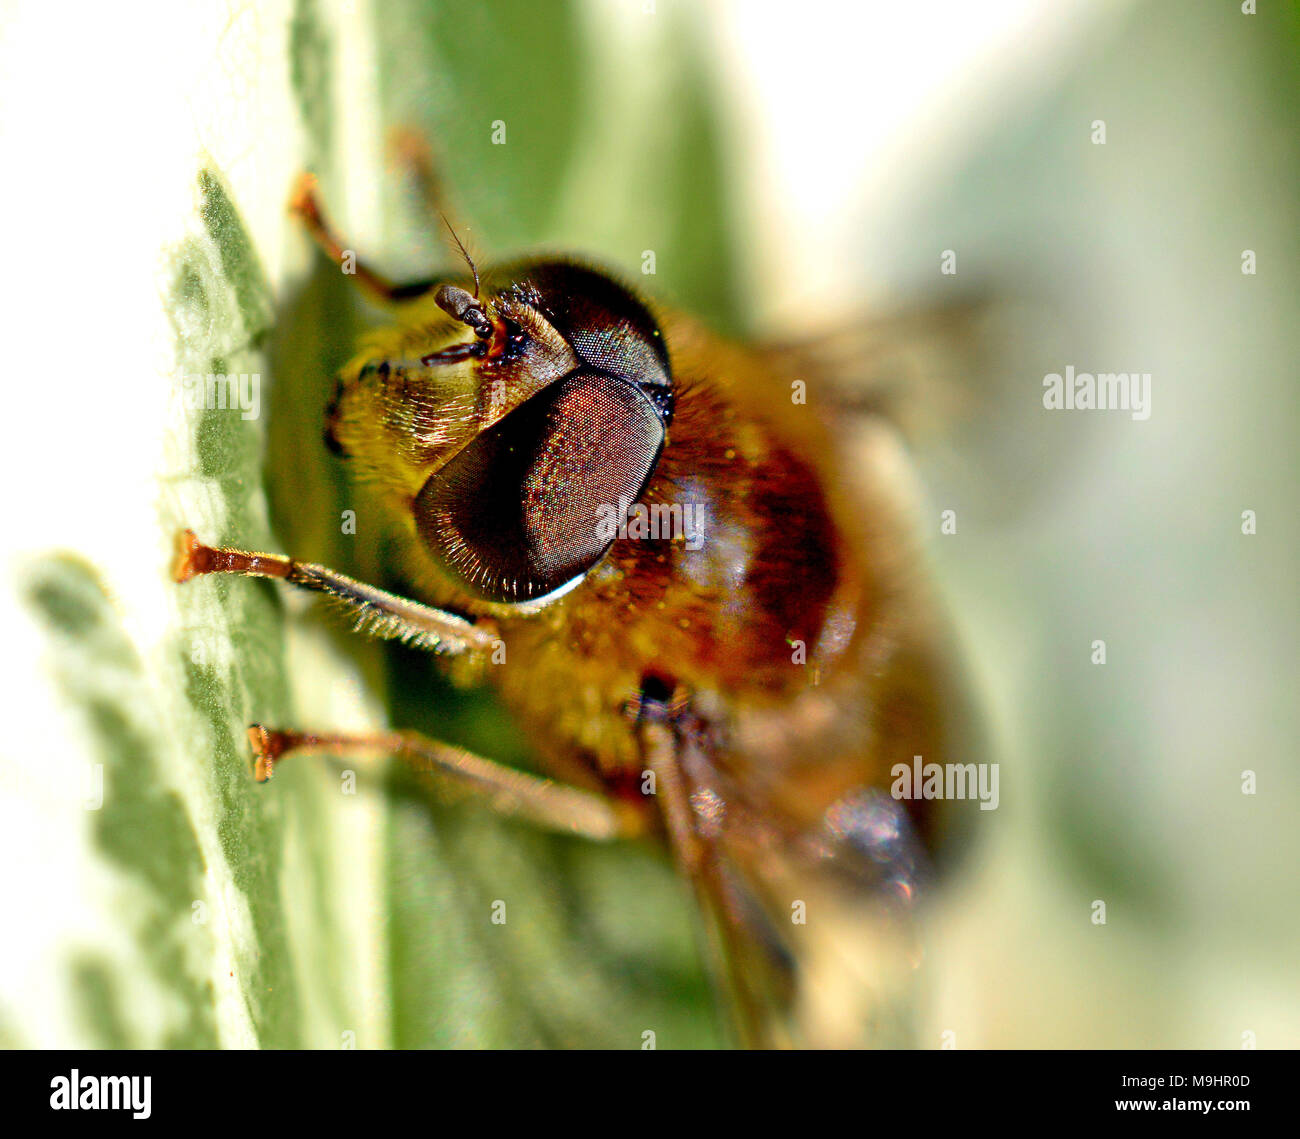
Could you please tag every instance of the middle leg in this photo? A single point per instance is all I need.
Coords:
(517, 794)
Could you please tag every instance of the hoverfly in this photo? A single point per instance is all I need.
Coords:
(686, 567)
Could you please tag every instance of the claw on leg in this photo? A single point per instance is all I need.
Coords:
(268, 746)
(193, 559)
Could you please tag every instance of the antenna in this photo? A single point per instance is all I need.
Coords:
(463, 251)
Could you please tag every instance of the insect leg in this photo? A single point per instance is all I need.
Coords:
(411, 152)
(556, 806)
(304, 203)
(746, 965)
(376, 612)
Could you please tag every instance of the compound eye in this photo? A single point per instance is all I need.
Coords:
(515, 515)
